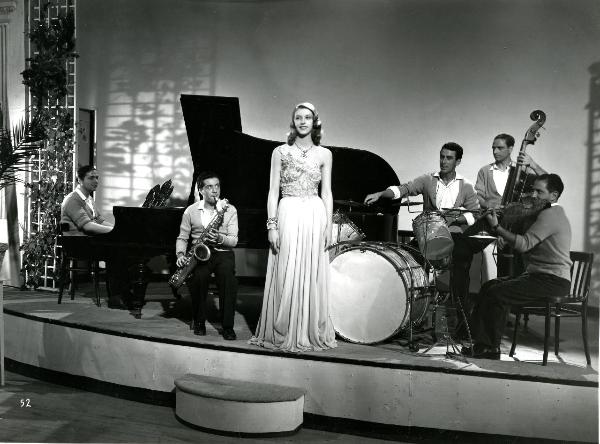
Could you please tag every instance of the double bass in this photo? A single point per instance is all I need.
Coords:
(516, 204)
(519, 181)
(520, 210)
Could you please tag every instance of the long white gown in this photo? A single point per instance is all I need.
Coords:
(295, 310)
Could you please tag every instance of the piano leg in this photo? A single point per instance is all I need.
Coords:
(139, 291)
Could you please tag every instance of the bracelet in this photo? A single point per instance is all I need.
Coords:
(271, 223)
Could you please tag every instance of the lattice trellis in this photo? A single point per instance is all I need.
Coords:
(593, 197)
(33, 218)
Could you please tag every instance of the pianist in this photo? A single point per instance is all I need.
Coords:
(80, 217)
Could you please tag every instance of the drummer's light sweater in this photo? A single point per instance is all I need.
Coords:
(547, 244)
(427, 186)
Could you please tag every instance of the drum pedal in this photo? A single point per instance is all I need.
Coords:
(445, 323)
(413, 347)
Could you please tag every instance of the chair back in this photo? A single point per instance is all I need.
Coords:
(73, 246)
(581, 274)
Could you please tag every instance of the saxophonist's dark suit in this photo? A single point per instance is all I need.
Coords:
(221, 262)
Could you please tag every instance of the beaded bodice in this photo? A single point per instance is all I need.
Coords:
(300, 176)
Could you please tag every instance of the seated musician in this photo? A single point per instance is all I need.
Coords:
(490, 186)
(547, 245)
(220, 240)
(444, 189)
(79, 216)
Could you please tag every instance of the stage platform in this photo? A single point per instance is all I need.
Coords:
(385, 385)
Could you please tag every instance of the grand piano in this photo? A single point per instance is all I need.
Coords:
(217, 143)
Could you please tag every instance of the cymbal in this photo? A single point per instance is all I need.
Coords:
(406, 204)
(353, 203)
(483, 237)
(349, 203)
(457, 210)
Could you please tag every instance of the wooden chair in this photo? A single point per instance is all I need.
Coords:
(75, 249)
(572, 305)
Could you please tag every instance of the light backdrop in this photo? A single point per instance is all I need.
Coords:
(398, 78)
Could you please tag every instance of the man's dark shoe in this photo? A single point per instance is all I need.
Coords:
(489, 353)
(229, 334)
(199, 329)
(474, 350)
(481, 352)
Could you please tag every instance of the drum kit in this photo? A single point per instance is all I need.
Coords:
(380, 290)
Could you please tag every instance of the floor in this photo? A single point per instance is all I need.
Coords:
(37, 411)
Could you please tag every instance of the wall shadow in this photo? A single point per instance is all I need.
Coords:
(136, 87)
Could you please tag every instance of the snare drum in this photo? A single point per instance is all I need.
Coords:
(371, 288)
(343, 229)
(433, 235)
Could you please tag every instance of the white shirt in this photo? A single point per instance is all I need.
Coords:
(500, 177)
(207, 213)
(445, 195)
(88, 200)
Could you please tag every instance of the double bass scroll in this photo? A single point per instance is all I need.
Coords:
(517, 179)
(513, 199)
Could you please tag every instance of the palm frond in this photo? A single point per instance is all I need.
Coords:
(17, 147)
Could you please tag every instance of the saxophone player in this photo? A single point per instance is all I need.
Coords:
(220, 240)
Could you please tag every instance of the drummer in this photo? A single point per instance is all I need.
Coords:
(441, 190)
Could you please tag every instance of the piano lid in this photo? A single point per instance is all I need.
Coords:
(217, 144)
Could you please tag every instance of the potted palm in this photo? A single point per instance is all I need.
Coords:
(17, 146)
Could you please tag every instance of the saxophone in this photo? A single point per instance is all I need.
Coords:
(199, 251)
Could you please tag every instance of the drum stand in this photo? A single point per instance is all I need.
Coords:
(440, 326)
(448, 320)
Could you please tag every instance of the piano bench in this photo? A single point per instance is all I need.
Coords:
(69, 264)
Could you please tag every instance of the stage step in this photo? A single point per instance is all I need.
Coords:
(234, 406)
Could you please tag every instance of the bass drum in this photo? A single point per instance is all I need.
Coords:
(371, 285)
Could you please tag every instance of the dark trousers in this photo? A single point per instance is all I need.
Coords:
(222, 264)
(465, 248)
(511, 263)
(496, 296)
